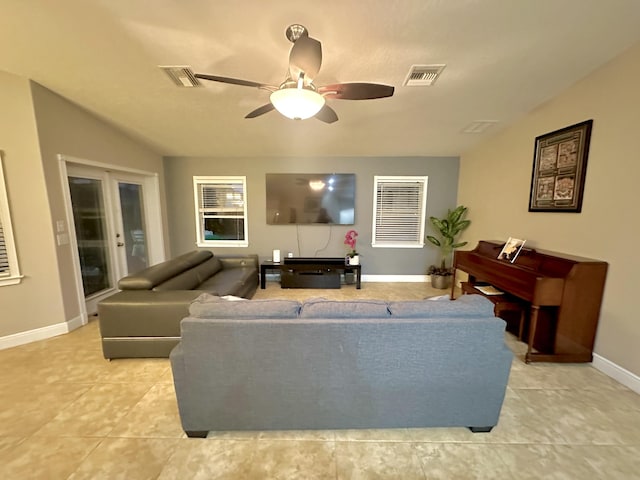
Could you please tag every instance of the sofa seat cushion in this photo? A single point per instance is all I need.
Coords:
(212, 306)
(323, 308)
(464, 307)
(229, 281)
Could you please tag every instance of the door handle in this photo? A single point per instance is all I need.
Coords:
(120, 244)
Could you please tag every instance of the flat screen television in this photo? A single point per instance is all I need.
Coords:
(310, 198)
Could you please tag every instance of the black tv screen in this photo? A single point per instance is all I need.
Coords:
(311, 198)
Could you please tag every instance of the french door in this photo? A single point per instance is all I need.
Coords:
(112, 227)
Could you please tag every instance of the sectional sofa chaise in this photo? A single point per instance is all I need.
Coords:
(279, 364)
(143, 320)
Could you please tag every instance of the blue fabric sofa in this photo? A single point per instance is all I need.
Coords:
(279, 365)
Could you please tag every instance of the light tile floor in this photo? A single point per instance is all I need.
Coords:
(65, 412)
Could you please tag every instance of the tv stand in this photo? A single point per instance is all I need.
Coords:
(310, 272)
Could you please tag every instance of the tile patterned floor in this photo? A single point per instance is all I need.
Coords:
(65, 412)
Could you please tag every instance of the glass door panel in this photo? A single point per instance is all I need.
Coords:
(90, 222)
(133, 226)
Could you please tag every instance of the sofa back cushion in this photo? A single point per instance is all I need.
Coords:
(464, 307)
(212, 306)
(156, 274)
(230, 281)
(323, 308)
(187, 280)
(192, 278)
(208, 268)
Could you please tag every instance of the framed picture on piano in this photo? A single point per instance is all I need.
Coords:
(511, 249)
(559, 169)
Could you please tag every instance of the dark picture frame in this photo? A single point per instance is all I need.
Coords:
(559, 169)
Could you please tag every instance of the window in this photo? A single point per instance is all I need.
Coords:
(399, 208)
(9, 271)
(221, 211)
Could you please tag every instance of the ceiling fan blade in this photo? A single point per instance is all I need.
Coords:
(234, 81)
(327, 114)
(356, 91)
(305, 57)
(260, 111)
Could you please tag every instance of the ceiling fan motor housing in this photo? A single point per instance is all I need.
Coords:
(295, 31)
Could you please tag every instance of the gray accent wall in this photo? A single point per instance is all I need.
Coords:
(311, 240)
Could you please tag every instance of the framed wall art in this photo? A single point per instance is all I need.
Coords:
(559, 168)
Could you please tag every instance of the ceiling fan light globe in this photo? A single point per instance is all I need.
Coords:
(297, 103)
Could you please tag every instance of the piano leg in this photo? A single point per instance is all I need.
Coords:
(523, 317)
(532, 332)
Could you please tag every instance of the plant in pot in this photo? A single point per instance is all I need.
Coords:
(352, 258)
(448, 229)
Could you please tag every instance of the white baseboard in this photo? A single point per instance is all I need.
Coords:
(396, 278)
(37, 334)
(625, 377)
(77, 322)
(275, 277)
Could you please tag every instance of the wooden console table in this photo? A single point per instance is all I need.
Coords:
(310, 265)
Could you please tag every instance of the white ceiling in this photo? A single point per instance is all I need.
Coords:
(503, 57)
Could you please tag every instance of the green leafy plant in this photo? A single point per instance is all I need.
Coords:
(448, 229)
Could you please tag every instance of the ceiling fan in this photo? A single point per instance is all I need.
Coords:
(297, 97)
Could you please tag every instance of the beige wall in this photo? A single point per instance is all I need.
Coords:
(495, 180)
(64, 128)
(36, 301)
(35, 126)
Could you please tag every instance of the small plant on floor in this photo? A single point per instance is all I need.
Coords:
(448, 229)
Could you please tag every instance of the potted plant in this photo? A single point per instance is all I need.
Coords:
(448, 229)
(352, 258)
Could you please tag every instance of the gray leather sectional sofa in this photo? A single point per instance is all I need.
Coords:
(280, 365)
(143, 320)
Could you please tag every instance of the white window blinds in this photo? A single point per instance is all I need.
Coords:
(4, 258)
(221, 211)
(222, 199)
(399, 211)
(9, 271)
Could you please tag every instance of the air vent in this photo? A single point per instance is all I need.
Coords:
(479, 126)
(182, 76)
(423, 75)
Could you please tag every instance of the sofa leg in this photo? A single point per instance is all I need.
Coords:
(480, 429)
(196, 433)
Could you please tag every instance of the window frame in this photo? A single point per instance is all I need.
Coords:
(12, 274)
(200, 214)
(376, 241)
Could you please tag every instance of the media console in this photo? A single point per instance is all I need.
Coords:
(310, 272)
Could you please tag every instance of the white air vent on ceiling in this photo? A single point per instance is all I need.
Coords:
(479, 126)
(181, 75)
(423, 75)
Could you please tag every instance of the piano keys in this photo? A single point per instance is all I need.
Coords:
(564, 294)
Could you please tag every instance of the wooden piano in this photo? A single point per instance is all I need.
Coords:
(563, 292)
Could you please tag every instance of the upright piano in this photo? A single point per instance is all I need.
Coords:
(563, 294)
